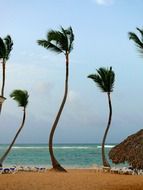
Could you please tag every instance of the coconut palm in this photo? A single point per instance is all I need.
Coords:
(105, 81)
(6, 45)
(59, 42)
(138, 40)
(21, 97)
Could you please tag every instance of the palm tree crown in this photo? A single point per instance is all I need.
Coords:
(104, 79)
(59, 41)
(138, 41)
(21, 96)
(5, 47)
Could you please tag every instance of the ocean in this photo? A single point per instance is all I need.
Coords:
(69, 155)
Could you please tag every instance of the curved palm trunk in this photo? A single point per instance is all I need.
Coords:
(55, 163)
(3, 81)
(12, 143)
(105, 162)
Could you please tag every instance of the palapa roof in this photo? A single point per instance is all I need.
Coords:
(130, 150)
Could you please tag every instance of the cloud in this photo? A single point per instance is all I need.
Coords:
(104, 2)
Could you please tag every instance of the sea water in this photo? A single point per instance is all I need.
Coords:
(69, 155)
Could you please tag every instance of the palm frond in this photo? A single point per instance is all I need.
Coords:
(71, 39)
(138, 41)
(55, 48)
(97, 79)
(104, 79)
(20, 96)
(53, 35)
(64, 44)
(135, 38)
(141, 32)
(9, 45)
(2, 49)
(49, 45)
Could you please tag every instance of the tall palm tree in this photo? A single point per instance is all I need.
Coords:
(138, 40)
(21, 97)
(59, 42)
(105, 81)
(6, 45)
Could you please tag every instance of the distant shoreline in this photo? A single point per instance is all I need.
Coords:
(59, 143)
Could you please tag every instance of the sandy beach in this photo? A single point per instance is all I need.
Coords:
(75, 179)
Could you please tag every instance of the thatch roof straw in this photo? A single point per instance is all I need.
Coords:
(130, 150)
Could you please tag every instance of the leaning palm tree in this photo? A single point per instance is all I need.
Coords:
(6, 45)
(22, 99)
(138, 40)
(59, 42)
(105, 81)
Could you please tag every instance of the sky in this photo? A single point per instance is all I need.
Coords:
(101, 40)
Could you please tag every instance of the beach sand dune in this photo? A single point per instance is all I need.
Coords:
(73, 180)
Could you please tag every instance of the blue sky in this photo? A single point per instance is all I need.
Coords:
(101, 39)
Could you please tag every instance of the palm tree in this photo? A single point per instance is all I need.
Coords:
(105, 81)
(138, 41)
(6, 45)
(21, 96)
(59, 42)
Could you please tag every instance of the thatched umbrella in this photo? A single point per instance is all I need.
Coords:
(130, 150)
